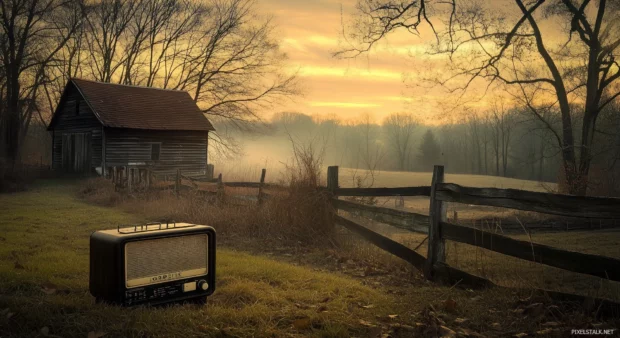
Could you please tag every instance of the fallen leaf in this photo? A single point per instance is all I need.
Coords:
(49, 288)
(449, 305)
(45, 330)
(302, 324)
(446, 332)
(496, 326)
(302, 306)
(365, 323)
(461, 320)
(96, 334)
(544, 332)
(369, 306)
(392, 316)
(477, 298)
(518, 311)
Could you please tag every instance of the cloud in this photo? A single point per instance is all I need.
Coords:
(344, 104)
(375, 74)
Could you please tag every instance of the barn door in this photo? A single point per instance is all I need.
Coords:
(76, 152)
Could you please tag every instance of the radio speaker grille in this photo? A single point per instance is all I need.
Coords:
(170, 257)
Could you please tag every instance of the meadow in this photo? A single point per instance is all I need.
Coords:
(338, 287)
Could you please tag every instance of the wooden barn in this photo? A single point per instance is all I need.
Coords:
(98, 126)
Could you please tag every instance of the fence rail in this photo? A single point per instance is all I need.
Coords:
(555, 204)
(383, 242)
(400, 219)
(439, 229)
(600, 266)
(378, 192)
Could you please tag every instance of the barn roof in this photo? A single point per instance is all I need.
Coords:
(133, 107)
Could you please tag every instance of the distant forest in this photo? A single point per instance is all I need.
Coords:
(500, 142)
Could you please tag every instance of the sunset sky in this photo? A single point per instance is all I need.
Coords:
(384, 81)
(309, 31)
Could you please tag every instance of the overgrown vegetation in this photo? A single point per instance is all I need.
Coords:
(44, 281)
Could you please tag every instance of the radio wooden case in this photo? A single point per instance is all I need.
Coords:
(152, 264)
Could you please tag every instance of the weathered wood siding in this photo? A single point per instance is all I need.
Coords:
(68, 122)
(184, 150)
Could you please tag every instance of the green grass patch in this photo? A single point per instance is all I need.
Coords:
(44, 249)
(44, 236)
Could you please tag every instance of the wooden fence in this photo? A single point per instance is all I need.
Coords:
(439, 229)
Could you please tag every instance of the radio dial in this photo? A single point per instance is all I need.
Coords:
(203, 285)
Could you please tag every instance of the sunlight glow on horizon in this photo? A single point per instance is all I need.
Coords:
(344, 104)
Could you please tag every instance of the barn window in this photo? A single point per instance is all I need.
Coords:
(155, 149)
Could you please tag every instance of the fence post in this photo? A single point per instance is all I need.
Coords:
(260, 186)
(220, 188)
(332, 179)
(129, 178)
(177, 183)
(437, 213)
(148, 179)
(332, 185)
(210, 171)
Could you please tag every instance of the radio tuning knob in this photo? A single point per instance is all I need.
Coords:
(203, 285)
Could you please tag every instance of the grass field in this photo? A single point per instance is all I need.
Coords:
(348, 178)
(276, 171)
(514, 272)
(44, 290)
(44, 283)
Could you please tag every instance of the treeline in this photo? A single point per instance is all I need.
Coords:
(501, 142)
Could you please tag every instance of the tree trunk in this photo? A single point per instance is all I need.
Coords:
(575, 181)
(541, 159)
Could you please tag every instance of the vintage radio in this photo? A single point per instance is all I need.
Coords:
(153, 264)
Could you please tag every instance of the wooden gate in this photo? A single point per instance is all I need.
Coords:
(76, 152)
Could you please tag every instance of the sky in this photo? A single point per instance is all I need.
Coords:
(386, 80)
(309, 32)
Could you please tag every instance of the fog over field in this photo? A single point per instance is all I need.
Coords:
(397, 151)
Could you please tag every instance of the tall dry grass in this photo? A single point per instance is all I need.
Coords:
(299, 214)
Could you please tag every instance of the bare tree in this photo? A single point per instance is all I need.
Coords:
(370, 151)
(484, 43)
(32, 34)
(108, 25)
(502, 124)
(475, 131)
(399, 128)
(218, 50)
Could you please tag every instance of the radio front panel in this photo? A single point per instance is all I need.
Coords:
(165, 259)
(152, 265)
